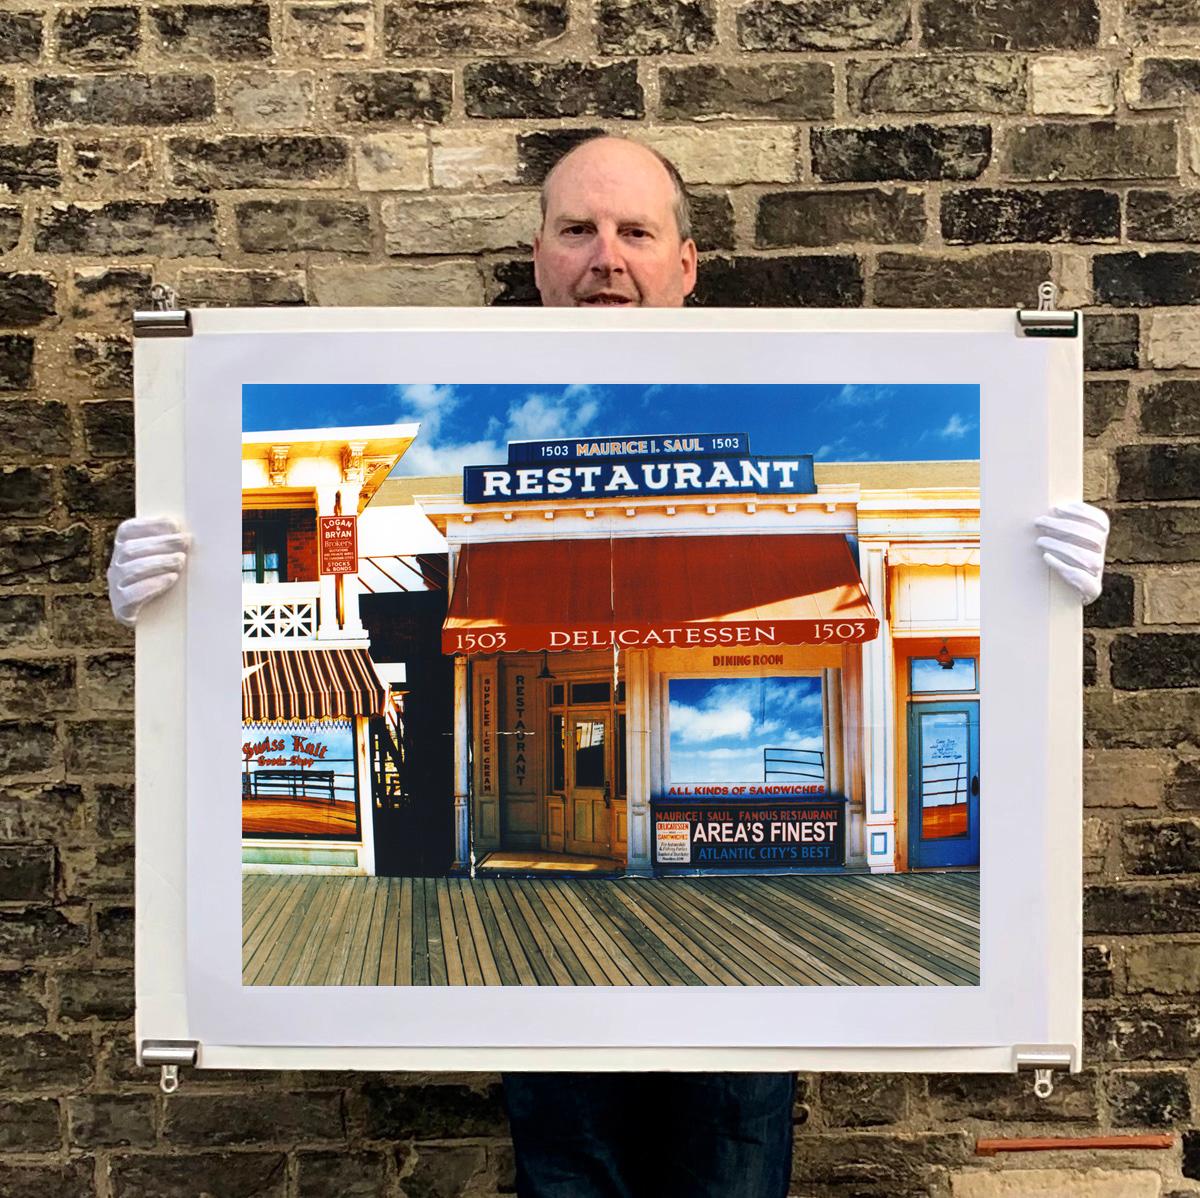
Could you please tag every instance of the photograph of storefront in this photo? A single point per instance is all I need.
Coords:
(700, 688)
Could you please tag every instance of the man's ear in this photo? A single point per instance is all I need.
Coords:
(687, 253)
(537, 250)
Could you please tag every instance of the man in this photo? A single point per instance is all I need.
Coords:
(616, 232)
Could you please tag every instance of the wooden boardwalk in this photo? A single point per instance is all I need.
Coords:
(843, 930)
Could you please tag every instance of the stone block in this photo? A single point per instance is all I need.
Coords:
(111, 1121)
(42, 1060)
(863, 1099)
(381, 97)
(1143, 280)
(1148, 1097)
(1171, 595)
(514, 285)
(41, 811)
(1139, 719)
(459, 224)
(415, 28)
(226, 287)
(1061, 86)
(109, 294)
(10, 228)
(86, 621)
(229, 1174)
(550, 90)
(27, 873)
(1174, 340)
(1139, 908)
(655, 26)
(1111, 341)
(114, 811)
(103, 746)
(34, 553)
(1155, 847)
(815, 218)
(114, 933)
(1163, 216)
(937, 83)
(996, 279)
(168, 228)
(1123, 778)
(392, 162)
(115, 164)
(99, 490)
(1104, 402)
(22, 621)
(213, 32)
(26, 491)
(432, 1110)
(783, 91)
(8, 100)
(1155, 660)
(873, 1165)
(761, 154)
(103, 994)
(1057, 150)
(217, 1120)
(1057, 1183)
(334, 226)
(466, 159)
(49, 1180)
(1114, 607)
(30, 1126)
(29, 166)
(257, 161)
(1097, 971)
(20, 36)
(1165, 83)
(793, 281)
(912, 152)
(985, 214)
(329, 32)
(440, 284)
(97, 36)
(1159, 471)
(348, 1174)
(38, 934)
(106, 683)
(712, 220)
(105, 360)
(538, 152)
(1010, 24)
(955, 1097)
(1159, 533)
(16, 374)
(270, 99)
(26, 298)
(822, 25)
(41, 684)
(132, 99)
(1170, 969)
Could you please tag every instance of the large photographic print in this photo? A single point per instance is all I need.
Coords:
(610, 685)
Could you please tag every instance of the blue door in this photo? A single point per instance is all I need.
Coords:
(943, 783)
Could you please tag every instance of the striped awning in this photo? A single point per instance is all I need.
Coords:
(310, 684)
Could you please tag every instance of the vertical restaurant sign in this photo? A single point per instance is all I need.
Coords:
(487, 734)
(520, 777)
(337, 537)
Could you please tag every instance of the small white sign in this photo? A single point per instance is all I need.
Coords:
(674, 841)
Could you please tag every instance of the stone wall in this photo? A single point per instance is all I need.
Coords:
(878, 152)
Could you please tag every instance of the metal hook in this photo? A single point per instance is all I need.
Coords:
(1043, 1079)
(169, 1081)
(162, 298)
(1047, 296)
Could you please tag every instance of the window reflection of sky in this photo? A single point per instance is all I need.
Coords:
(720, 726)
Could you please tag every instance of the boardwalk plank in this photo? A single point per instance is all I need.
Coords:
(455, 974)
(481, 941)
(525, 974)
(273, 951)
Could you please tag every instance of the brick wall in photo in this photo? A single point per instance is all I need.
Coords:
(840, 153)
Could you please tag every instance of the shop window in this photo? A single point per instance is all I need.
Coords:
(558, 695)
(742, 730)
(590, 692)
(299, 780)
(929, 675)
(264, 552)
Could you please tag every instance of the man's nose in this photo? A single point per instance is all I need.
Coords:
(606, 253)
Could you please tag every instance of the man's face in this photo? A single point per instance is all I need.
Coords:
(609, 238)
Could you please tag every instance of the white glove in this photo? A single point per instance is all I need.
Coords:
(147, 558)
(1074, 546)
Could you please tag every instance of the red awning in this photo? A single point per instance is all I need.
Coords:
(310, 684)
(795, 589)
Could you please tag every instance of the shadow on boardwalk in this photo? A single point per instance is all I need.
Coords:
(889, 930)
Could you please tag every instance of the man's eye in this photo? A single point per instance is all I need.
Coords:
(637, 233)
(575, 230)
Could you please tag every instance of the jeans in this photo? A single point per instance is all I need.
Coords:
(651, 1135)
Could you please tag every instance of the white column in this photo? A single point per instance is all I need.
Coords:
(353, 628)
(462, 792)
(327, 628)
(638, 780)
(878, 741)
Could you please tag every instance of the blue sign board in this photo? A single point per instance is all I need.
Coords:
(668, 445)
(629, 478)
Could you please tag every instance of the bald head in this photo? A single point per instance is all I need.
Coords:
(615, 229)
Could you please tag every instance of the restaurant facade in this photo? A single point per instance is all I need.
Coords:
(674, 656)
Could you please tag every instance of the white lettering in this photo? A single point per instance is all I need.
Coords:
(558, 480)
(687, 474)
(759, 471)
(587, 476)
(495, 482)
(621, 480)
(529, 482)
(663, 476)
(721, 476)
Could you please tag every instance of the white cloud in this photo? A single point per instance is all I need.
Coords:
(427, 458)
(955, 427)
(698, 724)
(541, 418)
(854, 395)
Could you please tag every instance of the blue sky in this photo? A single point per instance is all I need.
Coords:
(720, 726)
(471, 424)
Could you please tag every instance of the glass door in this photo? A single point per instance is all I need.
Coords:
(943, 783)
(589, 783)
